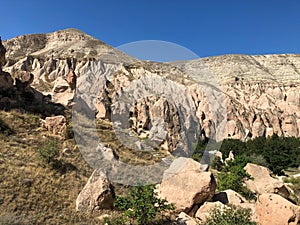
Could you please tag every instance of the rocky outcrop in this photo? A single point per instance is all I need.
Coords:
(6, 81)
(72, 79)
(56, 125)
(261, 92)
(2, 55)
(96, 195)
(23, 80)
(262, 181)
(275, 210)
(185, 185)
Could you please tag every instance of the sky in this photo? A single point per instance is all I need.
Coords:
(206, 28)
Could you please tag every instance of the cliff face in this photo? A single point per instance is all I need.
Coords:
(260, 94)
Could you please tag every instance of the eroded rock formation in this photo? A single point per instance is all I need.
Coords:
(261, 93)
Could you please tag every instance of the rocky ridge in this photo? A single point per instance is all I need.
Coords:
(261, 92)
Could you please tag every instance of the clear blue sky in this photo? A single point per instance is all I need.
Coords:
(205, 27)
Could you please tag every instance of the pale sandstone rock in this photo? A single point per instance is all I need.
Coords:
(229, 197)
(184, 219)
(204, 210)
(185, 185)
(262, 181)
(60, 85)
(264, 87)
(274, 209)
(97, 194)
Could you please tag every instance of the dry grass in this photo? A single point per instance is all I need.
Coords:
(32, 192)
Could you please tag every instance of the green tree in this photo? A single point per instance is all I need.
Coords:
(142, 204)
(233, 176)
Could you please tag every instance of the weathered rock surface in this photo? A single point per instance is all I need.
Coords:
(229, 197)
(184, 219)
(274, 209)
(96, 195)
(203, 212)
(262, 181)
(6, 81)
(72, 79)
(2, 55)
(261, 92)
(23, 79)
(56, 124)
(185, 185)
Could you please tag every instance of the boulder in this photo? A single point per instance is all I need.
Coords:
(184, 219)
(23, 79)
(272, 209)
(6, 81)
(96, 195)
(262, 181)
(203, 212)
(229, 197)
(56, 124)
(60, 85)
(186, 185)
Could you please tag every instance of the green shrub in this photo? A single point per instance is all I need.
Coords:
(217, 163)
(295, 185)
(49, 152)
(142, 204)
(233, 176)
(230, 215)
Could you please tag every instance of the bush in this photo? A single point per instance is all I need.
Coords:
(49, 152)
(142, 204)
(233, 176)
(230, 215)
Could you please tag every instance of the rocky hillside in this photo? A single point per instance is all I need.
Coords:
(247, 96)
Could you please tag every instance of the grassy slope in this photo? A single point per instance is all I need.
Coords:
(30, 191)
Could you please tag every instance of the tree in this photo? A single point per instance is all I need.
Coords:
(233, 176)
(142, 204)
